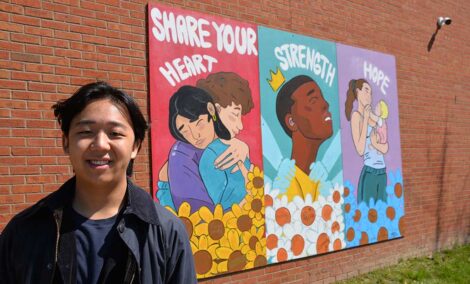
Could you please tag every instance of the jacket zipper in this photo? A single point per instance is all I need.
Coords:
(56, 246)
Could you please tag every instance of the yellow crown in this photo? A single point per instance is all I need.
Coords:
(277, 79)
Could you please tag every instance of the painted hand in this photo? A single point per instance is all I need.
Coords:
(237, 151)
(367, 110)
(244, 170)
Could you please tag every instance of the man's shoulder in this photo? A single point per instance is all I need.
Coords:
(29, 217)
(169, 221)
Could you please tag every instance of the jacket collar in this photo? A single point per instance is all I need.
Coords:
(138, 202)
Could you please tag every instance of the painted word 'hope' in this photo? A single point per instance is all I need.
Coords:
(187, 30)
(377, 76)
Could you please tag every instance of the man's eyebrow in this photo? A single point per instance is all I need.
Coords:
(310, 92)
(85, 122)
(90, 122)
(237, 108)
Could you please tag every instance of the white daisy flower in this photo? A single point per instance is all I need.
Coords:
(296, 234)
(336, 225)
(337, 242)
(283, 211)
(283, 251)
(336, 195)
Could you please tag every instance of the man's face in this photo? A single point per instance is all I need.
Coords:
(310, 112)
(231, 117)
(199, 133)
(100, 143)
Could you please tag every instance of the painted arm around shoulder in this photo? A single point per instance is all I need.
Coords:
(237, 151)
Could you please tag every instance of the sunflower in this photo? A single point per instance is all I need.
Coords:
(253, 236)
(255, 185)
(258, 258)
(204, 256)
(232, 253)
(189, 220)
(240, 221)
(255, 207)
(214, 223)
(255, 240)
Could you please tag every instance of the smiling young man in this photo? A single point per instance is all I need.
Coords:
(303, 113)
(98, 227)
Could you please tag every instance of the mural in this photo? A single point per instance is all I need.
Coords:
(301, 145)
(270, 146)
(205, 121)
(371, 145)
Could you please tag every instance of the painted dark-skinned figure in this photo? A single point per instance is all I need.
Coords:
(303, 114)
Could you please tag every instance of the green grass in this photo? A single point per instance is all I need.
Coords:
(450, 266)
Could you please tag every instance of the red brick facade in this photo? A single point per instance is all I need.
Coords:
(49, 48)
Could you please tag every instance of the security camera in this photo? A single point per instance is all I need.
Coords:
(443, 21)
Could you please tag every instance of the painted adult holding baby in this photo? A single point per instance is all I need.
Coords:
(373, 178)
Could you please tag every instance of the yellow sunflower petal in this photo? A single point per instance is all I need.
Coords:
(260, 249)
(262, 242)
(218, 212)
(250, 186)
(195, 218)
(212, 249)
(224, 242)
(257, 172)
(184, 210)
(203, 242)
(246, 237)
(223, 252)
(227, 216)
(250, 255)
(214, 270)
(251, 176)
(222, 267)
(201, 229)
(237, 210)
(245, 249)
(234, 239)
(253, 231)
(193, 247)
(206, 214)
(258, 222)
(232, 223)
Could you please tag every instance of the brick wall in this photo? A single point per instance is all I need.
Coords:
(49, 48)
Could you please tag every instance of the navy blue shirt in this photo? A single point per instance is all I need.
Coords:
(94, 240)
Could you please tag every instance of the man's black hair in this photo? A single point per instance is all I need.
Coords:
(66, 110)
(284, 100)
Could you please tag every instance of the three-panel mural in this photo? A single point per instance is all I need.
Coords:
(268, 145)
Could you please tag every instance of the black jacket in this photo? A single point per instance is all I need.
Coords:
(34, 248)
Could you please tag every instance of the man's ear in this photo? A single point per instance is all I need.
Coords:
(211, 109)
(65, 144)
(290, 123)
(135, 150)
(218, 108)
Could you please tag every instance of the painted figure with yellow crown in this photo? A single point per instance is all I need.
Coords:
(301, 145)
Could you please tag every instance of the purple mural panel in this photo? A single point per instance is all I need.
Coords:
(378, 70)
